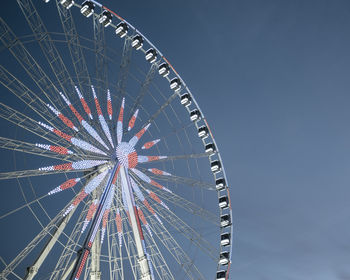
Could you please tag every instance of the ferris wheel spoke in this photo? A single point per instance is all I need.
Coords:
(36, 200)
(100, 51)
(16, 145)
(181, 202)
(23, 206)
(47, 46)
(130, 248)
(191, 234)
(161, 109)
(178, 157)
(75, 48)
(16, 87)
(29, 64)
(180, 256)
(25, 122)
(144, 88)
(33, 173)
(124, 66)
(180, 180)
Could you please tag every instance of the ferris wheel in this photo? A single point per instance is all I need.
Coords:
(109, 168)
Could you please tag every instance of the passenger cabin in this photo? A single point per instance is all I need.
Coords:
(210, 148)
(215, 166)
(151, 55)
(225, 239)
(105, 19)
(121, 29)
(175, 84)
(185, 99)
(203, 132)
(164, 69)
(220, 184)
(225, 220)
(223, 202)
(87, 8)
(67, 3)
(221, 275)
(195, 115)
(224, 258)
(137, 42)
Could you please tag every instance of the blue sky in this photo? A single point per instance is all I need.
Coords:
(273, 80)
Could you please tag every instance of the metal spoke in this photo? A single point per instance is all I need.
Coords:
(178, 157)
(182, 202)
(15, 86)
(144, 88)
(30, 125)
(48, 48)
(124, 66)
(161, 109)
(187, 231)
(33, 173)
(16, 145)
(175, 249)
(29, 64)
(75, 48)
(100, 54)
(180, 180)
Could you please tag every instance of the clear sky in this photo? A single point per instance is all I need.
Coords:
(273, 80)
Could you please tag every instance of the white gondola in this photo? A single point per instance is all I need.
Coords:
(225, 239)
(220, 184)
(210, 148)
(185, 99)
(221, 275)
(67, 3)
(87, 8)
(223, 202)
(215, 166)
(151, 55)
(164, 69)
(203, 132)
(175, 84)
(224, 258)
(122, 29)
(225, 220)
(137, 42)
(46, 1)
(195, 115)
(105, 19)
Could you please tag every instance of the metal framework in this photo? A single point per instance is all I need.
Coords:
(140, 210)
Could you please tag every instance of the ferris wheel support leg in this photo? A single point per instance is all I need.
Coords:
(69, 269)
(33, 270)
(135, 225)
(95, 273)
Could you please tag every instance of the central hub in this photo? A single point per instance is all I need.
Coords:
(126, 155)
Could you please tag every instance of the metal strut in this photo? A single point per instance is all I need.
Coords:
(84, 252)
(143, 258)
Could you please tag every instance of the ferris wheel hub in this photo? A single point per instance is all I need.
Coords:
(126, 155)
